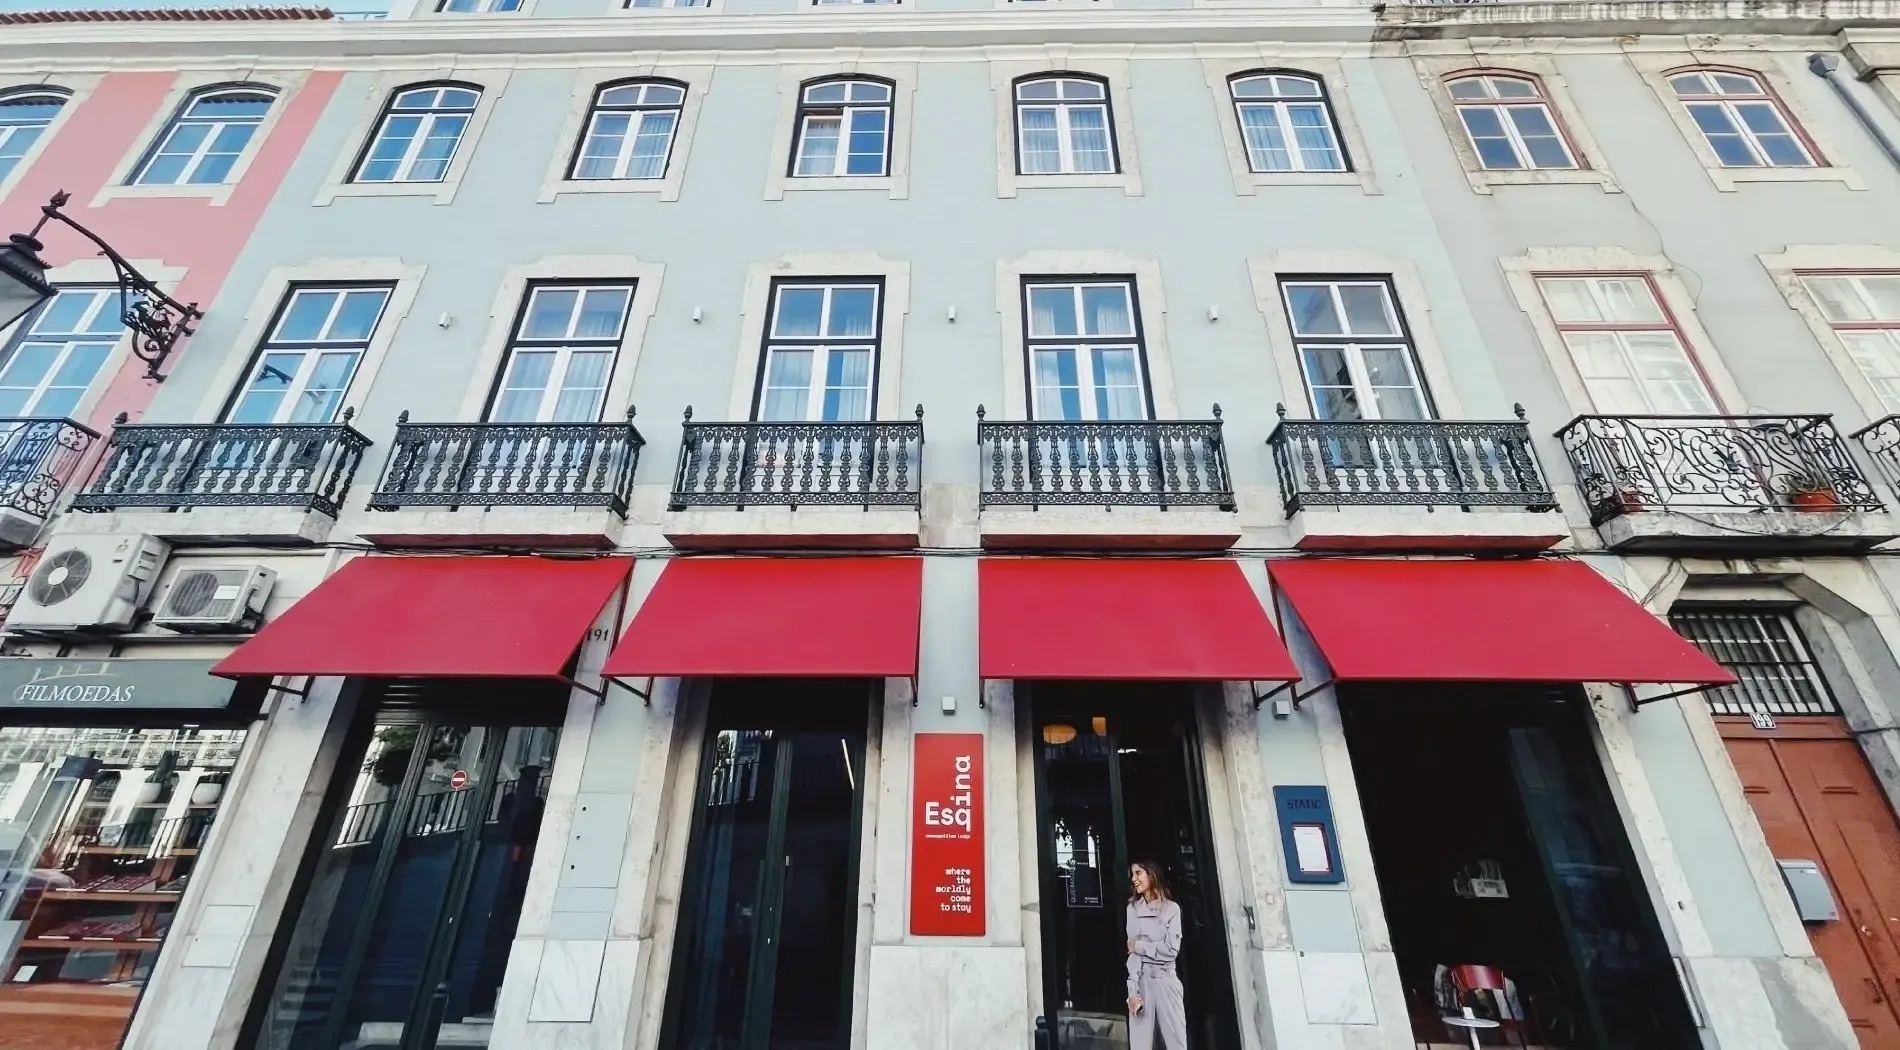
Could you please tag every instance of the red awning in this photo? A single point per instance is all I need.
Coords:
(1125, 618)
(1511, 621)
(450, 617)
(812, 617)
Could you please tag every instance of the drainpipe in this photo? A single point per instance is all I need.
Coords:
(1828, 68)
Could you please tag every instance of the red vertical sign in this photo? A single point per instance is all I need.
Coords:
(946, 835)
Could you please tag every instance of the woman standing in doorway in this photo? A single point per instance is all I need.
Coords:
(1155, 999)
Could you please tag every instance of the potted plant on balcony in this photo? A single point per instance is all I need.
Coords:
(1812, 490)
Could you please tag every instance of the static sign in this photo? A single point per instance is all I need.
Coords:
(946, 854)
(74, 686)
(1306, 834)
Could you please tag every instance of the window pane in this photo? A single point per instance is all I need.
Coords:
(1387, 366)
(1733, 84)
(848, 386)
(267, 388)
(799, 309)
(853, 313)
(1672, 383)
(1878, 355)
(1505, 87)
(1326, 366)
(357, 318)
(1052, 310)
(818, 147)
(867, 143)
(1368, 309)
(549, 313)
(787, 385)
(602, 311)
(1313, 132)
(1266, 144)
(1105, 310)
(1885, 293)
(1837, 298)
(1117, 385)
(582, 387)
(1041, 145)
(323, 393)
(1629, 300)
(1088, 140)
(652, 145)
(1470, 88)
(1310, 307)
(31, 362)
(1691, 84)
(1058, 392)
(68, 309)
(1570, 300)
(1036, 89)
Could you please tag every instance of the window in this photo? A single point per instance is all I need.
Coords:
(630, 4)
(1765, 650)
(1510, 123)
(844, 128)
(1863, 309)
(630, 131)
(1744, 125)
(821, 347)
(24, 117)
(1355, 353)
(1287, 123)
(57, 353)
(1626, 346)
(309, 356)
(478, 7)
(206, 138)
(1062, 127)
(417, 136)
(1086, 358)
(562, 354)
(842, 3)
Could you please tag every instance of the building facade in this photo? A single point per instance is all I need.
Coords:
(1420, 476)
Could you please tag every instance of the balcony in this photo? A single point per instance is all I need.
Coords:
(1118, 483)
(797, 484)
(1413, 485)
(284, 484)
(38, 457)
(1735, 484)
(506, 484)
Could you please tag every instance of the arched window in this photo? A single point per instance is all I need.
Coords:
(1744, 124)
(419, 132)
(1287, 122)
(205, 139)
(1510, 123)
(630, 130)
(1063, 127)
(25, 115)
(843, 128)
(478, 7)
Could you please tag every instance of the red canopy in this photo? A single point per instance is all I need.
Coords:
(1124, 618)
(428, 616)
(1497, 621)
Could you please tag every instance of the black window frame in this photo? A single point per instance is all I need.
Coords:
(1030, 342)
(766, 341)
(1325, 100)
(1406, 334)
(389, 109)
(1017, 102)
(595, 108)
(806, 109)
(515, 341)
(265, 344)
(1690, 620)
(274, 93)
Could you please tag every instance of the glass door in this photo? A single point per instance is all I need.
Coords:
(767, 936)
(1119, 780)
(408, 914)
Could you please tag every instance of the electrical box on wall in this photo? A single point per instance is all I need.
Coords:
(1813, 900)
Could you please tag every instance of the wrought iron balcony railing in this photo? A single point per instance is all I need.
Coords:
(510, 464)
(38, 458)
(1626, 464)
(1881, 440)
(1428, 462)
(800, 464)
(227, 464)
(1149, 463)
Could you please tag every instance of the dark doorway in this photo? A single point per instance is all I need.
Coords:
(767, 937)
(1119, 779)
(1505, 873)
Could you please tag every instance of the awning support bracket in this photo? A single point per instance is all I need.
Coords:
(599, 695)
(1260, 698)
(1636, 702)
(645, 695)
(301, 694)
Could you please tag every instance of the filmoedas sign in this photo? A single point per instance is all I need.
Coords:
(112, 685)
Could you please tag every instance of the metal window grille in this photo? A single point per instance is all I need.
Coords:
(1766, 652)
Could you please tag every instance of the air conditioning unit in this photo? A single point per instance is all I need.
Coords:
(230, 599)
(89, 583)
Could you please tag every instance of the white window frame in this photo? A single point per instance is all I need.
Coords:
(821, 347)
(762, 279)
(1353, 345)
(1437, 63)
(564, 348)
(558, 179)
(1060, 266)
(665, 8)
(1331, 73)
(484, 7)
(1500, 106)
(183, 118)
(1277, 105)
(1085, 346)
(1114, 73)
(638, 112)
(310, 350)
(1656, 68)
(107, 301)
(428, 117)
(283, 86)
(1064, 109)
(491, 81)
(793, 82)
(846, 114)
(1789, 269)
(17, 93)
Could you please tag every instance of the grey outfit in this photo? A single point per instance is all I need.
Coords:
(1155, 927)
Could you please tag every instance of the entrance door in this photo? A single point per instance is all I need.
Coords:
(767, 938)
(1119, 779)
(1817, 800)
(409, 910)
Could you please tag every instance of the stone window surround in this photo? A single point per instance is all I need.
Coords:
(894, 305)
(1434, 70)
(1408, 289)
(1151, 311)
(1785, 269)
(1332, 76)
(493, 80)
(792, 81)
(427, 9)
(1521, 273)
(705, 7)
(238, 360)
(95, 271)
(1004, 73)
(1656, 68)
(78, 88)
(553, 269)
(588, 82)
(284, 83)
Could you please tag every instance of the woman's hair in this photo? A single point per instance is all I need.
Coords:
(1155, 879)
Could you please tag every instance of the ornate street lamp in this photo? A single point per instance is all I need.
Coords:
(157, 321)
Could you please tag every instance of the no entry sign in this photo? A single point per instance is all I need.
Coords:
(946, 853)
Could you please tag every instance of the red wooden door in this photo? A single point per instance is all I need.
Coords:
(1816, 798)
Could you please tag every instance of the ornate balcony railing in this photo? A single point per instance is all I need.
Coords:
(510, 464)
(38, 457)
(1150, 463)
(1881, 440)
(1333, 463)
(798, 464)
(227, 464)
(1626, 464)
